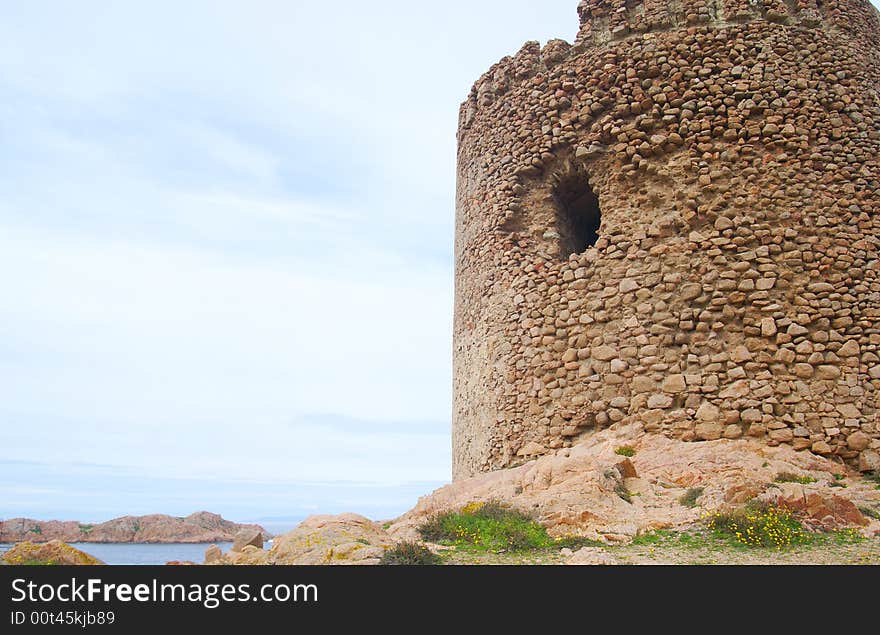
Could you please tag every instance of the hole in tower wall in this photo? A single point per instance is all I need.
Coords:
(578, 215)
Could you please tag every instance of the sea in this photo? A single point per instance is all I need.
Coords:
(151, 554)
(139, 554)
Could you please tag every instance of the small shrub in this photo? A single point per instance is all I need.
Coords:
(625, 450)
(759, 526)
(410, 554)
(789, 477)
(873, 476)
(689, 499)
(870, 512)
(839, 477)
(85, 528)
(487, 526)
(624, 493)
(577, 542)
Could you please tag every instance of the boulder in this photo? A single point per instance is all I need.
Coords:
(249, 536)
(818, 509)
(338, 540)
(213, 554)
(49, 553)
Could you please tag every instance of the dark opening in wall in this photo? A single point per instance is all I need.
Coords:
(578, 217)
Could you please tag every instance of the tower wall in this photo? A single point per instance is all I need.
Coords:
(734, 289)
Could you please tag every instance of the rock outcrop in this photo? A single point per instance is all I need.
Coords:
(53, 552)
(200, 527)
(590, 490)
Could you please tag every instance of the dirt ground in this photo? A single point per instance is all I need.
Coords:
(692, 549)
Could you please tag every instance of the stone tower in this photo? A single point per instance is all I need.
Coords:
(674, 221)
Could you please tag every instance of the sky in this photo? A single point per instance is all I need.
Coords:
(226, 250)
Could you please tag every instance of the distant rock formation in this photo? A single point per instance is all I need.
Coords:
(53, 552)
(201, 527)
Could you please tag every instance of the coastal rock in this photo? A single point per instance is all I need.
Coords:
(53, 552)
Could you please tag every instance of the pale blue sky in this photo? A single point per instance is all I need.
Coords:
(226, 236)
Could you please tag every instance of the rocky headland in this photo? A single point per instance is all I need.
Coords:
(200, 527)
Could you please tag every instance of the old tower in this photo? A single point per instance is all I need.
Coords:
(675, 221)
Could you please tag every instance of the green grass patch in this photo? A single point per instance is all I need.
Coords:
(495, 527)
(789, 477)
(837, 537)
(625, 450)
(85, 528)
(690, 497)
(410, 554)
(655, 537)
(839, 477)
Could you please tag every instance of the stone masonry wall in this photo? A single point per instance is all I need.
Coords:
(735, 285)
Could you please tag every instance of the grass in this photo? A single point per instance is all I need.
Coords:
(625, 450)
(873, 476)
(789, 477)
(654, 537)
(689, 499)
(85, 528)
(36, 529)
(837, 537)
(410, 554)
(495, 527)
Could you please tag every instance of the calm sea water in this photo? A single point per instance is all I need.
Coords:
(142, 554)
(160, 554)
